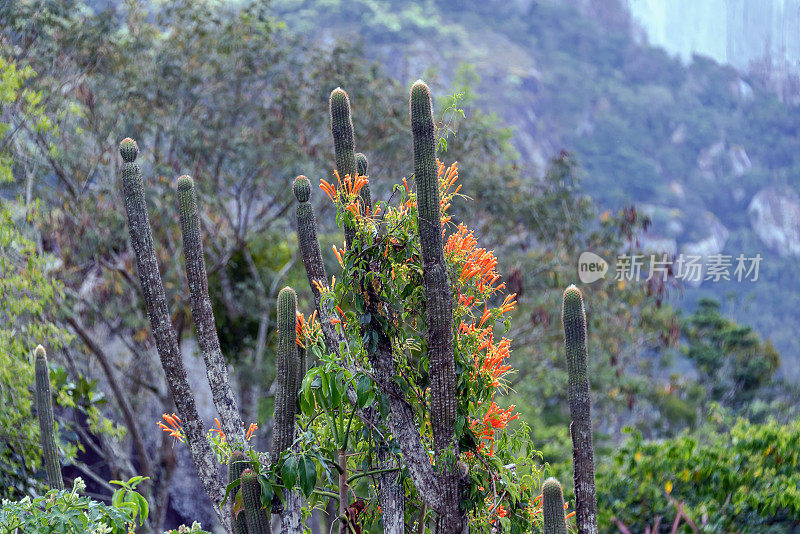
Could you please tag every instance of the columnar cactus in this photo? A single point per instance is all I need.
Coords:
(287, 369)
(236, 467)
(161, 323)
(312, 259)
(44, 409)
(288, 378)
(216, 368)
(344, 146)
(574, 321)
(258, 518)
(439, 305)
(362, 163)
(553, 508)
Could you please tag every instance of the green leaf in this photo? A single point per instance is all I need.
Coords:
(289, 472)
(266, 491)
(307, 471)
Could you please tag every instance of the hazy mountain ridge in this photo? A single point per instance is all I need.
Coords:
(693, 145)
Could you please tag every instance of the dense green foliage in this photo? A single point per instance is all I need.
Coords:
(734, 476)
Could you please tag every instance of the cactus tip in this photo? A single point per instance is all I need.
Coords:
(551, 486)
(40, 352)
(339, 95)
(301, 188)
(573, 295)
(286, 292)
(185, 183)
(128, 149)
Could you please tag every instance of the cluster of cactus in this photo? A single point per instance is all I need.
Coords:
(290, 366)
(574, 322)
(440, 487)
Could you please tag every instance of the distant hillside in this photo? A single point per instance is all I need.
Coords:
(708, 152)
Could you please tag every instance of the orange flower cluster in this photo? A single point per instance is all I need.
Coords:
(447, 178)
(461, 246)
(306, 330)
(348, 191)
(173, 426)
(494, 419)
(493, 362)
(248, 435)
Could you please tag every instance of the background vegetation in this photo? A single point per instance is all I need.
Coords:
(236, 95)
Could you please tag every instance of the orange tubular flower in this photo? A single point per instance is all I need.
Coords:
(218, 430)
(338, 256)
(329, 190)
(299, 327)
(509, 303)
(251, 430)
(484, 317)
(501, 511)
(173, 426)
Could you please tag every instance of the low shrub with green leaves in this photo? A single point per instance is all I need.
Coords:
(67, 511)
(735, 477)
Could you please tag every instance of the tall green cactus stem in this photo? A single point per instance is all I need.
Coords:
(163, 332)
(287, 383)
(258, 519)
(362, 164)
(44, 409)
(287, 369)
(312, 259)
(236, 467)
(553, 508)
(203, 314)
(344, 146)
(439, 305)
(574, 321)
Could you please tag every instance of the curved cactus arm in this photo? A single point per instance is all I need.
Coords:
(438, 303)
(574, 322)
(163, 332)
(258, 519)
(312, 259)
(553, 508)
(44, 410)
(203, 314)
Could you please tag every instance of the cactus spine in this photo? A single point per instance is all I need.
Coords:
(553, 508)
(44, 409)
(438, 301)
(236, 467)
(216, 368)
(258, 519)
(574, 322)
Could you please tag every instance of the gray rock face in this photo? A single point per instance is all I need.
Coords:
(711, 245)
(775, 218)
